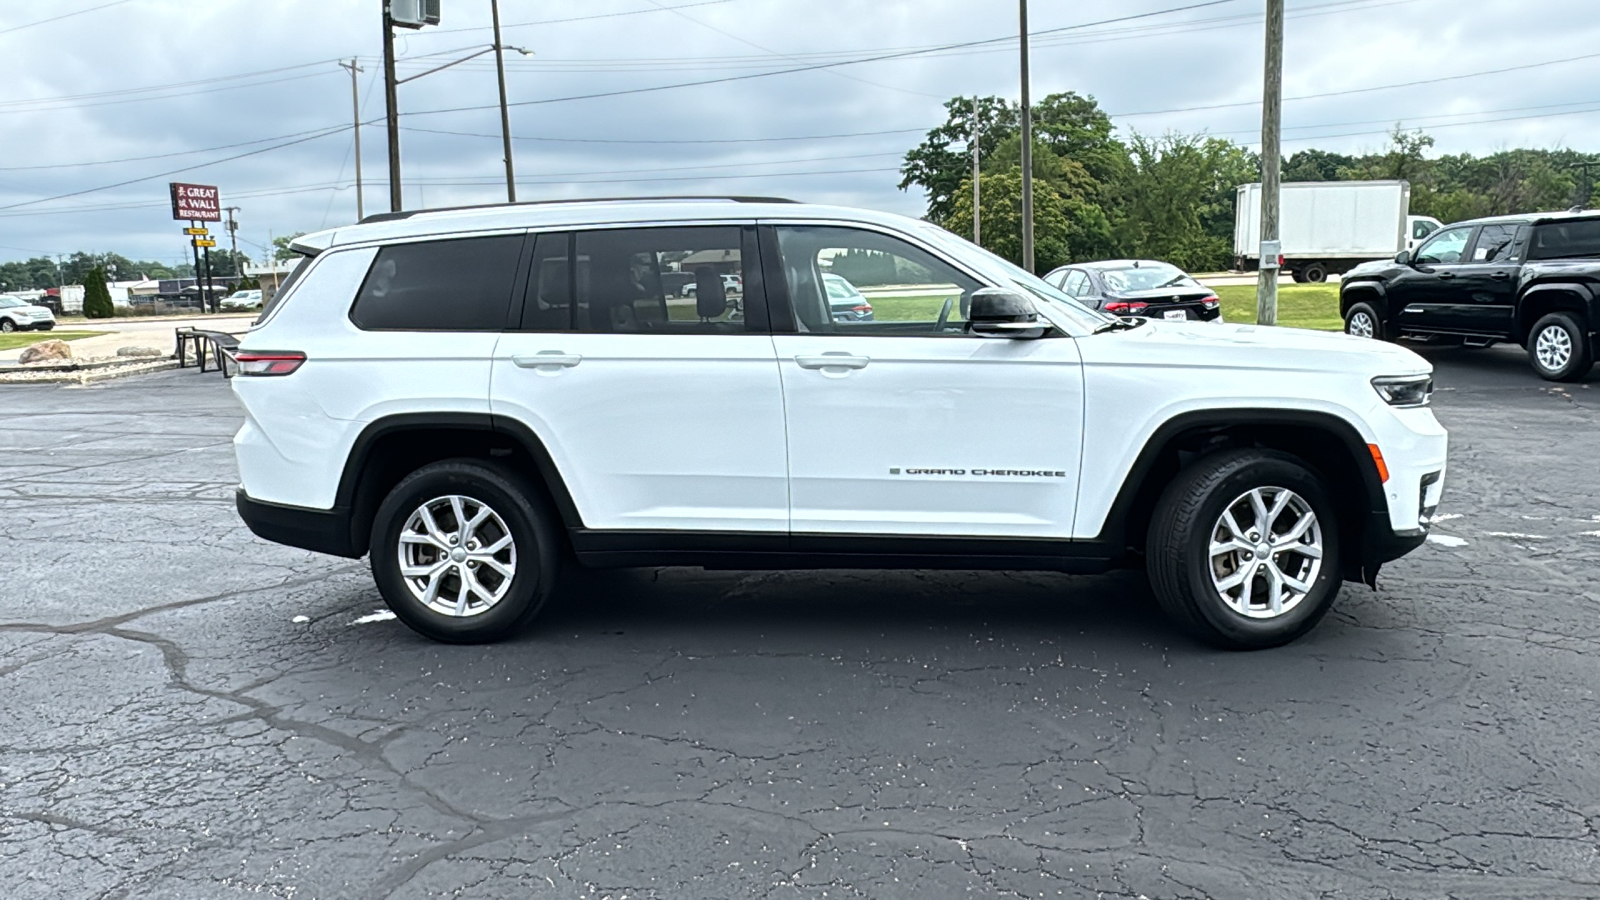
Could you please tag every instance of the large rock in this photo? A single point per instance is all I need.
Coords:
(46, 351)
(139, 351)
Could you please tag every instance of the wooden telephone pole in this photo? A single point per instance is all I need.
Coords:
(1271, 159)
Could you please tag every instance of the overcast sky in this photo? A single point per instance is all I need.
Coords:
(180, 84)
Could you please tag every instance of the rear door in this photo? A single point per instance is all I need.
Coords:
(1425, 291)
(661, 412)
(1486, 283)
(907, 424)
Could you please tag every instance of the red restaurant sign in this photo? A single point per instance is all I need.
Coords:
(195, 202)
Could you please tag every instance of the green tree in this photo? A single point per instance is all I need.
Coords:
(1000, 205)
(1316, 165)
(1178, 204)
(280, 246)
(96, 298)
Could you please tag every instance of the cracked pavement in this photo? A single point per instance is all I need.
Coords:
(187, 711)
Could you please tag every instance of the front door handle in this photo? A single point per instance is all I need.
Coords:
(833, 360)
(1446, 276)
(547, 358)
(1499, 276)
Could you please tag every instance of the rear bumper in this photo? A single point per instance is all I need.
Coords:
(320, 530)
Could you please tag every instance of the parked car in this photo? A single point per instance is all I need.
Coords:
(1532, 280)
(731, 284)
(17, 314)
(392, 412)
(1138, 287)
(241, 300)
(845, 303)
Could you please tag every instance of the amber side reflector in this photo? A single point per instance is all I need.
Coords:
(1377, 460)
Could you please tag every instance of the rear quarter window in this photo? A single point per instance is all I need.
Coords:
(1566, 240)
(461, 284)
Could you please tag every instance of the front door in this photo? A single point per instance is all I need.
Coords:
(651, 382)
(906, 424)
(1425, 292)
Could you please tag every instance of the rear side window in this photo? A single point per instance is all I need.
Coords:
(685, 280)
(462, 284)
(1566, 240)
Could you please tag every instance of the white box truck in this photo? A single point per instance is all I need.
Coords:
(1330, 227)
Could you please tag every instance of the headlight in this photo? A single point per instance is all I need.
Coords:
(1404, 390)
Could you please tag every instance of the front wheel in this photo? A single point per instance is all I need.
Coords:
(1559, 348)
(7, 326)
(1362, 321)
(1243, 550)
(464, 552)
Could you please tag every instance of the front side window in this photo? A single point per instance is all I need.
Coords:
(461, 284)
(1445, 248)
(1495, 243)
(686, 280)
(831, 271)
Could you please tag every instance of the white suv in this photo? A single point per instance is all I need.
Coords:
(481, 397)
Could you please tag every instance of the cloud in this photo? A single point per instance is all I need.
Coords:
(680, 140)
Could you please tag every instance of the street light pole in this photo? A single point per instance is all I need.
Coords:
(355, 112)
(392, 112)
(505, 116)
(1271, 157)
(1027, 150)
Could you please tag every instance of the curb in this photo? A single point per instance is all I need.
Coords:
(84, 373)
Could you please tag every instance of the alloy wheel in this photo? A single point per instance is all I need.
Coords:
(457, 556)
(1360, 325)
(1553, 348)
(1265, 552)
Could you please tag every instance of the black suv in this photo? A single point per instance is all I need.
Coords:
(1533, 280)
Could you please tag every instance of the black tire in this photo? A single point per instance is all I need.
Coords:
(1316, 273)
(1181, 529)
(7, 326)
(1298, 276)
(1353, 321)
(532, 528)
(1552, 363)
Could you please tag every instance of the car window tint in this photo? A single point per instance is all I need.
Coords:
(461, 284)
(1421, 229)
(1566, 240)
(547, 305)
(660, 281)
(1494, 243)
(897, 288)
(1445, 248)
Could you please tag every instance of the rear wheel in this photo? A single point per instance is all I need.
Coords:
(1243, 550)
(1298, 275)
(1316, 273)
(463, 552)
(1362, 320)
(1558, 346)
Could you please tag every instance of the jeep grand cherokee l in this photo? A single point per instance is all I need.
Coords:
(477, 398)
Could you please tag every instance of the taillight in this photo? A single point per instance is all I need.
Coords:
(268, 362)
(1126, 308)
(1210, 302)
(862, 307)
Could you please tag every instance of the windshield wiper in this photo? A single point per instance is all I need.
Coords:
(1118, 324)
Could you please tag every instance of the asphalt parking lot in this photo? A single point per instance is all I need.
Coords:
(186, 711)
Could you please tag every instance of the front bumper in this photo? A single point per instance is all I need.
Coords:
(319, 530)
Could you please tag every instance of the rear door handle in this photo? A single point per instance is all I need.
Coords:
(833, 360)
(547, 358)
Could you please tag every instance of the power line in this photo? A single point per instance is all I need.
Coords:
(162, 87)
(64, 16)
(612, 15)
(819, 66)
(128, 159)
(125, 100)
(759, 140)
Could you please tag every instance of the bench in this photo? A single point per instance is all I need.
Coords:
(207, 346)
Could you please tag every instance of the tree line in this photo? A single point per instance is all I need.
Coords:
(41, 272)
(1171, 197)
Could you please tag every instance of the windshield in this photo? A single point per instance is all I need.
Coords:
(8, 302)
(1145, 277)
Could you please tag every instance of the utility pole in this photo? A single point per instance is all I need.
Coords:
(355, 112)
(233, 239)
(1583, 189)
(1271, 158)
(1027, 151)
(977, 142)
(505, 116)
(392, 111)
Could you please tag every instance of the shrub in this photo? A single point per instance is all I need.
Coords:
(96, 298)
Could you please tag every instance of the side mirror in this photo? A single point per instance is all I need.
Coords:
(1403, 257)
(1001, 313)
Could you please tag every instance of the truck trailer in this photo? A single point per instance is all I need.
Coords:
(1330, 227)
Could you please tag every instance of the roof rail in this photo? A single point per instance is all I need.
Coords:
(408, 213)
